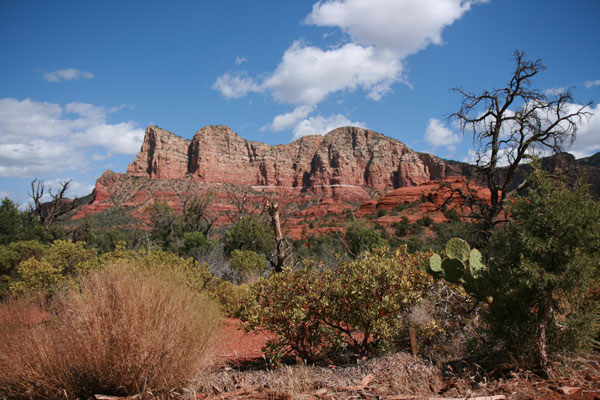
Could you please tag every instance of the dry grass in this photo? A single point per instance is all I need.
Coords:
(395, 373)
(125, 332)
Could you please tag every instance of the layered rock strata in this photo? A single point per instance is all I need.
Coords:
(345, 160)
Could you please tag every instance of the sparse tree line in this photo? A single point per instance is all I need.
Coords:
(517, 284)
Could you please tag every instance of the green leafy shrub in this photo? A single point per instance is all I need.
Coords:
(249, 233)
(289, 305)
(57, 266)
(381, 212)
(125, 331)
(402, 227)
(359, 308)
(12, 255)
(195, 244)
(372, 296)
(248, 263)
(361, 237)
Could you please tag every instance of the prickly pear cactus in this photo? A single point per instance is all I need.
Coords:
(462, 266)
(458, 249)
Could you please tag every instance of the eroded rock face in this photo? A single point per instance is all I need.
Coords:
(163, 155)
(346, 160)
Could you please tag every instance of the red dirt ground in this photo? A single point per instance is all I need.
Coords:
(238, 347)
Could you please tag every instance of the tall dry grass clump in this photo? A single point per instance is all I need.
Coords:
(125, 331)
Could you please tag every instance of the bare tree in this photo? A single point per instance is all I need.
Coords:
(196, 216)
(47, 212)
(281, 251)
(509, 124)
(243, 202)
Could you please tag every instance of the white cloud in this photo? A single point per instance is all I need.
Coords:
(320, 125)
(438, 135)
(307, 74)
(75, 189)
(589, 84)
(382, 34)
(404, 26)
(37, 138)
(286, 121)
(587, 139)
(69, 74)
(234, 86)
(586, 143)
(240, 60)
(556, 91)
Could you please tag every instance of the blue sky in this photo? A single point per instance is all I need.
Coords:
(79, 81)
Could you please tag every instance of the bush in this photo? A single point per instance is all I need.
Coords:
(360, 237)
(248, 264)
(249, 233)
(544, 270)
(360, 307)
(289, 305)
(373, 295)
(126, 331)
(56, 267)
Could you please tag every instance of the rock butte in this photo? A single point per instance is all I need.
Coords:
(321, 174)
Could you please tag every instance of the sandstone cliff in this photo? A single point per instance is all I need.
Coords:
(346, 160)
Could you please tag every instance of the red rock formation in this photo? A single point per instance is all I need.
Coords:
(350, 165)
(345, 161)
(430, 197)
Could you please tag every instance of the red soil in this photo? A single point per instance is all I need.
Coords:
(238, 347)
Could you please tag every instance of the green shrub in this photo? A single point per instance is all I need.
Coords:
(360, 237)
(373, 295)
(425, 221)
(359, 308)
(58, 266)
(248, 263)
(125, 331)
(381, 212)
(12, 255)
(289, 305)
(402, 227)
(249, 233)
(195, 244)
(545, 265)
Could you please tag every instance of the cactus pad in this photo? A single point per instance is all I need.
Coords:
(435, 263)
(454, 270)
(458, 249)
(475, 264)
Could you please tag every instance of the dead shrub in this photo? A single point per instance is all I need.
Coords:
(125, 331)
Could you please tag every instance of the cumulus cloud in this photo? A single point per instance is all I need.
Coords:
(307, 74)
(69, 74)
(37, 137)
(320, 125)
(240, 60)
(438, 135)
(382, 33)
(587, 139)
(236, 85)
(404, 26)
(286, 121)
